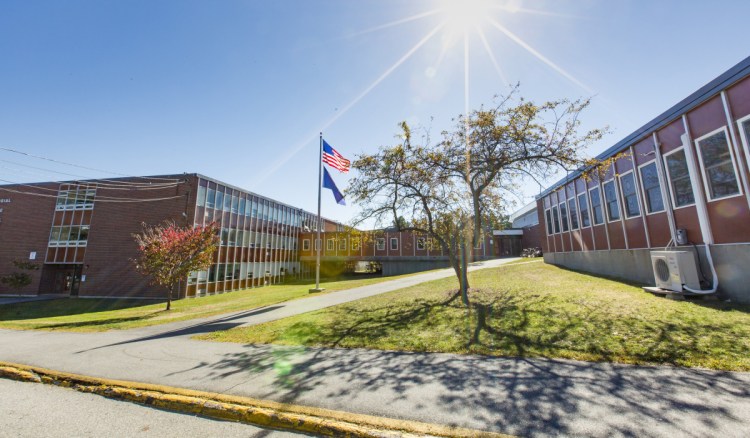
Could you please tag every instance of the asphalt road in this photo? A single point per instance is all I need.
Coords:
(37, 411)
(529, 397)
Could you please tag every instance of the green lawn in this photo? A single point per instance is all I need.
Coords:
(530, 309)
(108, 314)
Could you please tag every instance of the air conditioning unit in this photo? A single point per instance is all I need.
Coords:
(675, 269)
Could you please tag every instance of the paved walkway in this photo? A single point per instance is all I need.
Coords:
(30, 410)
(530, 397)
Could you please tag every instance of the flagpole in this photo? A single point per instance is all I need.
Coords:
(318, 242)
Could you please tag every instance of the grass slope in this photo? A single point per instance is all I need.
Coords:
(530, 309)
(87, 315)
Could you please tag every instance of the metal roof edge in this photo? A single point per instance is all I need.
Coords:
(723, 81)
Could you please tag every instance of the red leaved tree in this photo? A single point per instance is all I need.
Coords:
(170, 252)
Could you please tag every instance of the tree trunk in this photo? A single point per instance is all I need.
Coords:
(476, 232)
(463, 274)
(169, 297)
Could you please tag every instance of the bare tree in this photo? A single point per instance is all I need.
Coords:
(452, 189)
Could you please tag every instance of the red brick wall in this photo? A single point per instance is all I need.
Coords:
(108, 264)
(24, 227)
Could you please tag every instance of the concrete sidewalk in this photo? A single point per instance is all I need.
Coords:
(530, 397)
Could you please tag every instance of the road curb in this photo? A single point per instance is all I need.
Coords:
(264, 413)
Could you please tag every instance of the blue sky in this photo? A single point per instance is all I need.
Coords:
(238, 90)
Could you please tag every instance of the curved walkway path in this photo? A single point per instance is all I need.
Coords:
(530, 397)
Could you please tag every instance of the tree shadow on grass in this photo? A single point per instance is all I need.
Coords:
(66, 307)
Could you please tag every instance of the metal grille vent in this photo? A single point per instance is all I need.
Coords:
(662, 269)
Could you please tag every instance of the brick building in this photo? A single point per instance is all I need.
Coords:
(680, 181)
(79, 234)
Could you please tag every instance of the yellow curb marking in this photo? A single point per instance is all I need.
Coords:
(241, 409)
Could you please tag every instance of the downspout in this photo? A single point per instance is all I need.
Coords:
(700, 204)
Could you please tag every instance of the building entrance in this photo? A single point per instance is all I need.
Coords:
(61, 279)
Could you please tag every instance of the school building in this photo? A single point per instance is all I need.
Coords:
(680, 183)
(80, 234)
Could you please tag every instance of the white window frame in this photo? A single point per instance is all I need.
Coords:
(635, 192)
(380, 243)
(673, 199)
(330, 244)
(421, 241)
(601, 205)
(340, 244)
(567, 218)
(730, 146)
(354, 244)
(305, 244)
(588, 210)
(643, 189)
(574, 198)
(551, 230)
(605, 207)
(743, 137)
(556, 221)
(391, 244)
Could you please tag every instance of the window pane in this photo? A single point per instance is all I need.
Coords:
(211, 198)
(555, 219)
(596, 205)
(201, 196)
(219, 199)
(84, 236)
(564, 216)
(651, 188)
(610, 196)
(573, 214)
(549, 222)
(683, 192)
(227, 202)
(679, 176)
(717, 162)
(394, 243)
(677, 165)
(583, 202)
(627, 182)
(714, 150)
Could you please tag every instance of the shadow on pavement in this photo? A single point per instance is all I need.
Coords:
(204, 327)
(527, 397)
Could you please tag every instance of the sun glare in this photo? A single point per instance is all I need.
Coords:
(462, 15)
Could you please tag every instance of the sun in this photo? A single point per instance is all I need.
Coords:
(461, 16)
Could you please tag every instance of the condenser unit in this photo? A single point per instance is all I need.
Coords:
(675, 269)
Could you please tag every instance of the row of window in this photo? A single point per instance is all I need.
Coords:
(78, 198)
(69, 235)
(720, 176)
(423, 243)
(249, 207)
(252, 239)
(241, 271)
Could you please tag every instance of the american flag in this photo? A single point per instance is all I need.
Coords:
(334, 159)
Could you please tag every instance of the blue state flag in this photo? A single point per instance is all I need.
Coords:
(329, 184)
